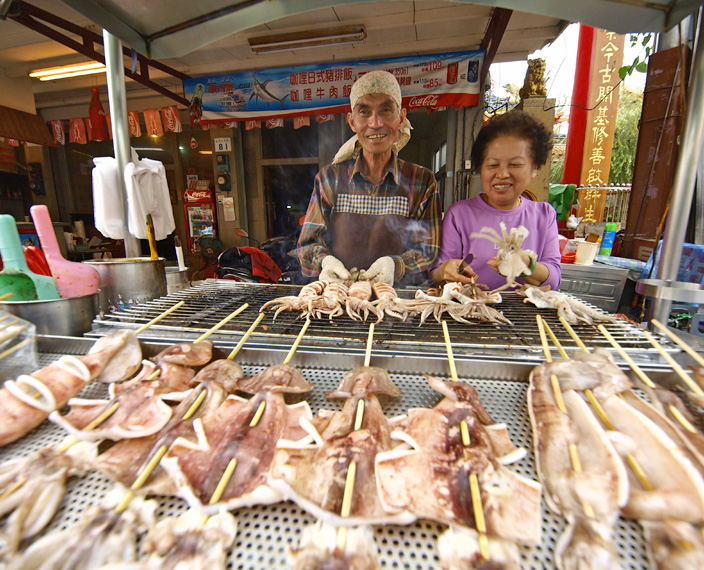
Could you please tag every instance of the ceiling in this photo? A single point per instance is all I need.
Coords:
(217, 41)
(393, 29)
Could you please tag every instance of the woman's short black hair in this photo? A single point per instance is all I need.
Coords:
(517, 124)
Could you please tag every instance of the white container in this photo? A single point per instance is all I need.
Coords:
(586, 251)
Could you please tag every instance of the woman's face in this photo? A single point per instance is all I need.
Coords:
(506, 171)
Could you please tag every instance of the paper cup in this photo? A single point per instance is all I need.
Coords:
(586, 251)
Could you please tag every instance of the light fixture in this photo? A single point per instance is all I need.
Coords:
(308, 39)
(68, 71)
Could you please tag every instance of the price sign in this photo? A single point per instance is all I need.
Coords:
(223, 144)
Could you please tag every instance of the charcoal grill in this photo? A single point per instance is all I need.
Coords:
(266, 531)
(209, 302)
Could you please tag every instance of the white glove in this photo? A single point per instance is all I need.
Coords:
(382, 271)
(333, 270)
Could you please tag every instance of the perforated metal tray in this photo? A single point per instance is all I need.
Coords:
(265, 532)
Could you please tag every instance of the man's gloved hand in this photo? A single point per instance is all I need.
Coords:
(382, 270)
(333, 270)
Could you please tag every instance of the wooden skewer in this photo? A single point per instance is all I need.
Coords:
(559, 401)
(630, 459)
(4, 317)
(6, 296)
(636, 369)
(450, 356)
(479, 521)
(69, 441)
(464, 430)
(674, 411)
(693, 386)
(161, 316)
(368, 353)
(142, 478)
(548, 358)
(7, 325)
(299, 338)
(688, 349)
(221, 324)
(240, 344)
(12, 349)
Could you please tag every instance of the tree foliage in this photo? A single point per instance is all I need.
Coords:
(623, 154)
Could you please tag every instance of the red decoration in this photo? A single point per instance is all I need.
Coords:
(152, 121)
(96, 113)
(194, 143)
(172, 121)
(57, 128)
(133, 121)
(77, 131)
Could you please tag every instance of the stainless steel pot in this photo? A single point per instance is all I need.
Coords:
(129, 281)
(176, 279)
(71, 316)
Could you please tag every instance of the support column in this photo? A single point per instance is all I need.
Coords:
(120, 129)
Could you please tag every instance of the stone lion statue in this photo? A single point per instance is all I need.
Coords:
(534, 83)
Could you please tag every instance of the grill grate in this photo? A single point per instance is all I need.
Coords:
(211, 301)
(265, 532)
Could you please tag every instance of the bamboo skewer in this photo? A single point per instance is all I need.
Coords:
(548, 358)
(623, 354)
(674, 411)
(677, 340)
(299, 338)
(240, 344)
(161, 316)
(630, 459)
(693, 386)
(6, 296)
(450, 356)
(368, 352)
(221, 324)
(7, 325)
(477, 505)
(12, 349)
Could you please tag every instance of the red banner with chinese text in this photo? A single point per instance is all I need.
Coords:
(77, 131)
(152, 122)
(601, 123)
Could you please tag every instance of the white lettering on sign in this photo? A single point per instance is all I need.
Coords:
(222, 144)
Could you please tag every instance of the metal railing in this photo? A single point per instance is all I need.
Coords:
(617, 198)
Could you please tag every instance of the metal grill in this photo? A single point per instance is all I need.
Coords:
(211, 301)
(266, 531)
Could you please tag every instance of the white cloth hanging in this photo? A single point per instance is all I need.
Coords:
(147, 193)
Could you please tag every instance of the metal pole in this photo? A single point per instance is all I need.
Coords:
(450, 158)
(120, 129)
(683, 184)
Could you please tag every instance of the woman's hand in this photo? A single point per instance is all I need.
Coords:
(448, 272)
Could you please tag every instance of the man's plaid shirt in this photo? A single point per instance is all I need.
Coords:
(406, 189)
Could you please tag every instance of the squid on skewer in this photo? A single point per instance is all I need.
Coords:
(302, 302)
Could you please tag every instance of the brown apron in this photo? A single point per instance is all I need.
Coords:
(358, 240)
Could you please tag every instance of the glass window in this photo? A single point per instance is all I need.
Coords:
(288, 191)
(287, 142)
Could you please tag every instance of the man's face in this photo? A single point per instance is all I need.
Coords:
(376, 119)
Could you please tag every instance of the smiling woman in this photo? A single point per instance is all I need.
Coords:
(508, 151)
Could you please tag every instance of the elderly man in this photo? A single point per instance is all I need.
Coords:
(372, 215)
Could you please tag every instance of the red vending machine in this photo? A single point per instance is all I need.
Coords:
(199, 204)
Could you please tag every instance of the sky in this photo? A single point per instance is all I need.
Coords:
(560, 57)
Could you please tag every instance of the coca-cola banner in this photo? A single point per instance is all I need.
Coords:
(57, 129)
(427, 81)
(172, 122)
(152, 122)
(77, 131)
(299, 122)
(133, 122)
(108, 120)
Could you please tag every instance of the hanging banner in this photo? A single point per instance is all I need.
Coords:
(324, 118)
(172, 122)
(299, 122)
(133, 122)
(152, 122)
(427, 81)
(57, 129)
(274, 123)
(249, 125)
(77, 131)
(601, 123)
(108, 120)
